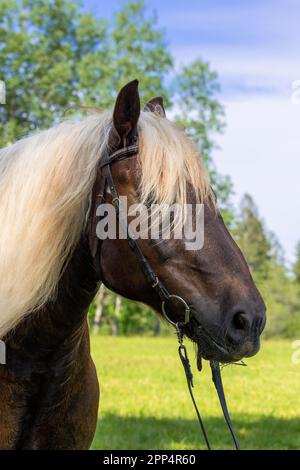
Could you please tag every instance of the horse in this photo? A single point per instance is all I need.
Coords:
(52, 264)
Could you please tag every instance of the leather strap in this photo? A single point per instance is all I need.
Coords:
(217, 380)
(121, 154)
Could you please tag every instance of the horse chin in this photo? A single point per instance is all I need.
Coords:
(209, 348)
(216, 352)
(213, 351)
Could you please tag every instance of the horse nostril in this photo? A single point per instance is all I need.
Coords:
(241, 321)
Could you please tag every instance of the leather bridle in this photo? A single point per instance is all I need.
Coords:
(104, 182)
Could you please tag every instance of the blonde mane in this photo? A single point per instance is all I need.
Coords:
(45, 187)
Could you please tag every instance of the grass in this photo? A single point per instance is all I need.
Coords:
(145, 404)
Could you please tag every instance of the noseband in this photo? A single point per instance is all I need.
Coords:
(105, 182)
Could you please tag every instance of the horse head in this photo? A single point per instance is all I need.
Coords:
(227, 312)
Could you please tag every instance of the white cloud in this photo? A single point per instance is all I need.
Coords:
(244, 65)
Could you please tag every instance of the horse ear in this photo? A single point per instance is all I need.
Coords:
(156, 105)
(127, 109)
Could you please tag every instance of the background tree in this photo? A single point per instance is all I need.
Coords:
(265, 258)
(199, 113)
(42, 48)
(252, 238)
(54, 54)
(296, 267)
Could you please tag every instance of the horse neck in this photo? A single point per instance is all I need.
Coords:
(48, 371)
(59, 327)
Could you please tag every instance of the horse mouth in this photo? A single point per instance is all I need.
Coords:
(217, 352)
(212, 348)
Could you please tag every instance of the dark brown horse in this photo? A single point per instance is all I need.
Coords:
(48, 386)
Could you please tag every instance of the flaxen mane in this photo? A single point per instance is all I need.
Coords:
(45, 186)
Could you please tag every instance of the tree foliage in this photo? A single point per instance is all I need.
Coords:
(53, 54)
(253, 239)
(200, 114)
(296, 267)
(264, 256)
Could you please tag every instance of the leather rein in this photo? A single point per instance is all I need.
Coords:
(105, 182)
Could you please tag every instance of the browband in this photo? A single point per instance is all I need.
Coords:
(121, 154)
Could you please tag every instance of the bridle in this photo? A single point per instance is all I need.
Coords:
(104, 181)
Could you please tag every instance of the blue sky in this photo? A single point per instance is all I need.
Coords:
(254, 46)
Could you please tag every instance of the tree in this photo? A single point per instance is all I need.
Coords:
(282, 300)
(296, 267)
(138, 49)
(54, 54)
(252, 238)
(96, 314)
(42, 48)
(111, 314)
(195, 88)
(264, 255)
(201, 115)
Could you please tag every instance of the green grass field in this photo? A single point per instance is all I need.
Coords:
(145, 404)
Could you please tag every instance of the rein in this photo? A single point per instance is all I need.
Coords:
(104, 181)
